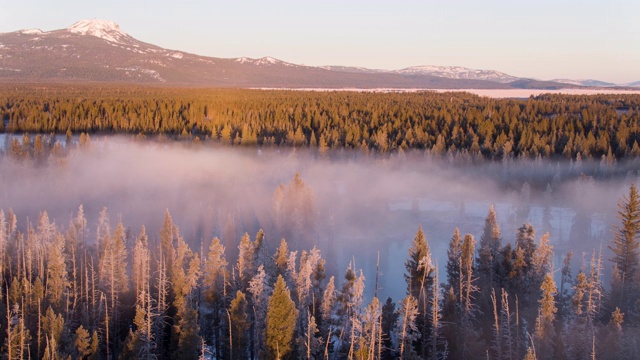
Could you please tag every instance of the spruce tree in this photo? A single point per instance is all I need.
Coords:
(626, 252)
(545, 335)
(281, 320)
(419, 278)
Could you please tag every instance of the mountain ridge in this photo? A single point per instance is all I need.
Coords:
(98, 50)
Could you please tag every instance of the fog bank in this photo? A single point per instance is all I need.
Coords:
(362, 205)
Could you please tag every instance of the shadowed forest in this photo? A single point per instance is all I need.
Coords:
(236, 224)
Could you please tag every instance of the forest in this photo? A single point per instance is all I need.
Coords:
(555, 126)
(106, 292)
(101, 289)
(163, 223)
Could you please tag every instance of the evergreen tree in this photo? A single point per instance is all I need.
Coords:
(141, 263)
(239, 324)
(389, 319)
(406, 330)
(57, 281)
(626, 252)
(215, 277)
(281, 258)
(281, 319)
(185, 277)
(454, 254)
(327, 307)
(419, 278)
(245, 263)
(81, 343)
(545, 335)
(260, 291)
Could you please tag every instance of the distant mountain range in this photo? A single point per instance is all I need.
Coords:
(98, 51)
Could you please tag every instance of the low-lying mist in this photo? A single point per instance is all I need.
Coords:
(362, 205)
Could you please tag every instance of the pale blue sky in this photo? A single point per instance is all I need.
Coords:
(542, 39)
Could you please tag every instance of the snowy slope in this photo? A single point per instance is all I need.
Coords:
(458, 72)
(104, 29)
(98, 50)
(263, 61)
(585, 82)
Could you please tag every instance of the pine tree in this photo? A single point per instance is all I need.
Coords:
(489, 266)
(281, 319)
(281, 257)
(52, 327)
(545, 330)
(81, 343)
(260, 291)
(114, 278)
(406, 329)
(185, 277)
(541, 259)
(103, 235)
(389, 319)
(215, 275)
(327, 306)
(141, 263)
(419, 278)
(245, 260)
(167, 243)
(613, 344)
(57, 282)
(467, 278)
(419, 266)
(453, 262)
(371, 330)
(626, 249)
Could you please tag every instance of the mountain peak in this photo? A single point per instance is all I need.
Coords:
(104, 29)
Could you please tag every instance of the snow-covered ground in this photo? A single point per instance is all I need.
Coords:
(492, 93)
(525, 93)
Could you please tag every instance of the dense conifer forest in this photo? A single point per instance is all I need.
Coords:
(546, 126)
(107, 291)
(80, 289)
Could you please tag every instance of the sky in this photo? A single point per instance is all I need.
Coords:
(540, 39)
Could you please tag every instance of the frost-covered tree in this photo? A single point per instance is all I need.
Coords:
(419, 277)
(103, 233)
(369, 346)
(140, 272)
(406, 330)
(281, 257)
(244, 265)
(57, 280)
(260, 291)
(327, 321)
(215, 277)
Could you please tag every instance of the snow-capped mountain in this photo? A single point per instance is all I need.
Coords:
(103, 29)
(458, 72)
(263, 61)
(98, 50)
(586, 82)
